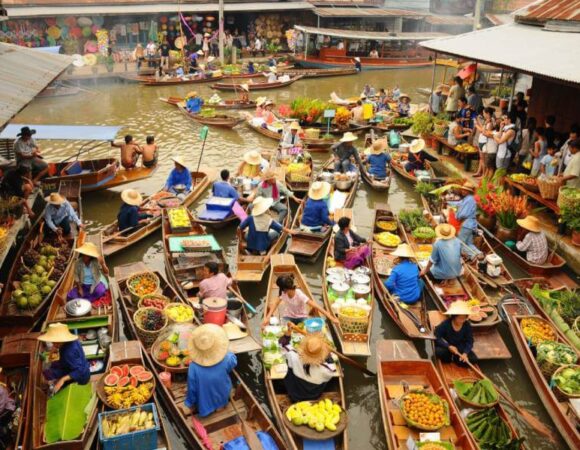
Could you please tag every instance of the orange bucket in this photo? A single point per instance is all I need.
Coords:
(215, 310)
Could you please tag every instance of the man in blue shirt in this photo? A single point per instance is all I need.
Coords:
(404, 279)
(316, 214)
(467, 212)
(193, 103)
(223, 188)
(59, 214)
(445, 261)
(179, 181)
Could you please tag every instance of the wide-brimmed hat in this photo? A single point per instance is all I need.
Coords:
(200, 52)
(26, 131)
(468, 186)
(268, 174)
(210, 59)
(191, 94)
(260, 205)
(233, 331)
(318, 190)
(269, 103)
(273, 69)
(357, 59)
(530, 223)
(55, 199)
(295, 126)
(445, 231)
(459, 308)
(348, 137)
(261, 100)
(379, 146)
(404, 96)
(208, 345)
(179, 160)
(252, 157)
(245, 87)
(313, 349)
(404, 251)
(57, 332)
(131, 197)
(89, 249)
(416, 145)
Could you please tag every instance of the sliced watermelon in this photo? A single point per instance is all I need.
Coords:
(117, 371)
(125, 369)
(134, 381)
(136, 369)
(111, 380)
(124, 381)
(144, 376)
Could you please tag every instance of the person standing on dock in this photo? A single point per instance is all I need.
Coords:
(445, 261)
(164, 49)
(28, 153)
(467, 214)
(454, 336)
(58, 215)
(18, 183)
(455, 93)
(571, 175)
(357, 64)
(151, 51)
(343, 151)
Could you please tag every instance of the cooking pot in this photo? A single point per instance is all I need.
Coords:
(344, 185)
(336, 278)
(340, 289)
(360, 279)
(326, 176)
(361, 290)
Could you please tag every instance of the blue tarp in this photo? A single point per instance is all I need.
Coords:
(64, 132)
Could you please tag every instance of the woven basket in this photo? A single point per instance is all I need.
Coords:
(147, 337)
(165, 300)
(559, 393)
(530, 187)
(354, 325)
(169, 305)
(567, 201)
(135, 296)
(312, 133)
(549, 188)
(418, 426)
(469, 402)
(439, 129)
(548, 369)
(576, 326)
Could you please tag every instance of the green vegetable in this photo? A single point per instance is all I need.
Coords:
(556, 353)
(424, 188)
(413, 218)
(424, 233)
(67, 412)
(568, 380)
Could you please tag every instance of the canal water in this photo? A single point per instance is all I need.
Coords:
(138, 110)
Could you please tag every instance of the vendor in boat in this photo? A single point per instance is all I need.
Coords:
(252, 165)
(72, 365)
(130, 216)
(404, 105)
(404, 281)
(178, 71)
(58, 216)
(262, 229)
(193, 102)
(310, 367)
(417, 158)
(28, 153)
(260, 107)
(208, 376)
(267, 114)
(150, 153)
(271, 76)
(467, 214)
(445, 261)
(378, 159)
(357, 64)
(179, 181)
(17, 183)
(270, 187)
(350, 249)
(251, 68)
(296, 305)
(534, 245)
(244, 93)
(343, 151)
(130, 152)
(89, 274)
(214, 283)
(291, 138)
(316, 216)
(454, 336)
(223, 188)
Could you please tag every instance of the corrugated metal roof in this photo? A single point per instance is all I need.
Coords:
(439, 19)
(366, 12)
(519, 47)
(23, 74)
(369, 35)
(499, 19)
(542, 12)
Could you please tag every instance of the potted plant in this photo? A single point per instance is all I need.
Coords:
(109, 63)
(422, 124)
(571, 217)
(508, 209)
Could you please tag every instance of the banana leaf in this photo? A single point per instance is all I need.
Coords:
(67, 412)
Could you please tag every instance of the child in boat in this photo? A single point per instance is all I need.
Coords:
(404, 281)
(454, 336)
(149, 153)
(296, 304)
(89, 274)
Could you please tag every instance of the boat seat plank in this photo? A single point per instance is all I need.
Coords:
(220, 416)
(397, 390)
(305, 247)
(247, 344)
(356, 348)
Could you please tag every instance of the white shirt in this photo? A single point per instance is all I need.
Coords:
(198, 38)
(272, 78)
(318, 373)
(151, 49)
(258, 44)
(451, 136)
(491, 146)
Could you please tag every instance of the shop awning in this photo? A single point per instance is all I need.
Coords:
(369, 35)
(64, 132)
(522, 48)
(23, 74)
(367, 12)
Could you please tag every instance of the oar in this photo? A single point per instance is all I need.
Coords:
(534, 422)
(251, 438)
(244, 301)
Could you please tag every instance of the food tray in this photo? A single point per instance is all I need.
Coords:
(101, 385)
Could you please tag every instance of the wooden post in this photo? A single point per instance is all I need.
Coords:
(433, 81)
(306, 36)
(221, 31)
(515, 78)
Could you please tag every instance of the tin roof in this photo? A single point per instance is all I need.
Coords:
(516, 47)
(542, 12)
(440, 19)
(499, 19)
(366, 12)
(23, 74)
(369, 35)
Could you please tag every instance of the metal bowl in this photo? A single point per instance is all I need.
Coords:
(326, 176)
(344, 185)
(179, 188)
(78, 307)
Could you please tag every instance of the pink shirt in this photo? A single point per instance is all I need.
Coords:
(295, 307)
(216, 286)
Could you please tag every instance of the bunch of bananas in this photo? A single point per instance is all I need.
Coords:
(127, 422)
(319, 416)
(127, 396)
(387, 239)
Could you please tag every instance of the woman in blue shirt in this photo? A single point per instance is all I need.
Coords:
(89, 274)
(454, 336)
(193, 103)
(378, 159)
(208, 377)
(404, 280)
(316, 214)
(467, 214)
(72, 365)
(178, 178)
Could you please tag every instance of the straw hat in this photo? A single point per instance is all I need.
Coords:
(269, 174)
(55, 199)
(404, 96)
(379, 146)
(245, 87)
(208, 345)
(131, 197)
(233, 331)
(417, 145)
(26, 131)
(468, 186)
(210, 59)
(179, 160)
(260, 205)
(89, 249)
(404, 250)
(252, 157)
(57, 332)
(459, 308)
(295, 126)
(348, 137)
(318, 190)
(445, 231)
(313, 349)
(260, 101)
(273, 69)
(269, 103)
(200, 52)
(357, 59)
(191, 94)
(530, 223)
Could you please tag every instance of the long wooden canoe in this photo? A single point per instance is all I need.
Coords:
(12, 319)
(114, 241)
(377, 185)
(218, 120)
(224, 104)
(93, 173)
(411, 319)
(318, 73)
(399, 167)
(179, 81)
(252, 267)
(357, 344)
(399, 364)
(255, 86)
(221, 426)
(283, 265)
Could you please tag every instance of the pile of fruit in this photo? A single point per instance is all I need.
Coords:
(424, 410)
(179, 313)
(354, 311)
(387, 239)
(537, 330)
(435, 445)
(424, 233)
(518, 177)
(568, 380)
(387, 225)
(490, 431)
(479, 310)
(126, 422)
(38, 274)
(154, 301)
(465, 148)
(172, 352)
(127, 386)
(207, 112)
(152, 320)
(408, 121)
(215, 98)
(481, 392)
(319, 416)
(178, 218)
(143, 284)
(423, 252)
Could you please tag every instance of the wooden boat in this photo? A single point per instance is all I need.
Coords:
(218, 120)
(114, 240)
(184, 271)
(224, 104)
(279, 400)
(399, 167)
(399, 365)
(221, 426)
(300, 187)
(318, 73)
(411, 319)
(59, 91)
(377, 185)
(308, 245)
(244, 75)
(252, 267)
(12, 319)
(255, 86)
(178, 81)
(351, 343)
(16, 356)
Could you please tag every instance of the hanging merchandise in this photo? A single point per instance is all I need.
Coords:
(60, 21)
(103, 41)
(84, 22)
(91, 47)
(153, 31)
(86, 31)
(163, 19)
(70, 21)
(51, 41)
(50, 21)
(78, 60)
(53, 32)
(75, 32)
(90, 59)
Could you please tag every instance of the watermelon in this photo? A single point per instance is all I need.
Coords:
(144, 376)
(111, 380)
(136, 369)
(162, 356)
(134, 382)
(125, 369)
(117, 371)
(124, 381)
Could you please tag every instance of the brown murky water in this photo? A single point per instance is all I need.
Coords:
(140, 113)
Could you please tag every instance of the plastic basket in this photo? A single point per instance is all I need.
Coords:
(150, 276)
(147, 337)
(142, 440)
(549, 188)
(354, 325)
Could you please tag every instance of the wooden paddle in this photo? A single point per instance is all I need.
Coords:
(251, 438)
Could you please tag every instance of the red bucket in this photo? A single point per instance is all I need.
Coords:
(215, 310)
